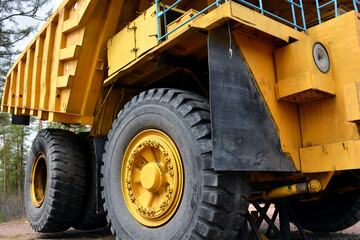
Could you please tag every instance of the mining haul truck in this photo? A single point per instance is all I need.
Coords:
(197, 109)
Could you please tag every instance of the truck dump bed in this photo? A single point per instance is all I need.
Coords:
(58, 76)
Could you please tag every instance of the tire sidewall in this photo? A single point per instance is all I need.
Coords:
(332, 214)
(36, 215)
(165, 118)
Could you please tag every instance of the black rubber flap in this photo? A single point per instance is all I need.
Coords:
(244, 134)
(20, 120)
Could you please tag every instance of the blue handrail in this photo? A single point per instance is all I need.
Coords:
(293, 4)
(356, 2)
(326, 4)
(161, 13)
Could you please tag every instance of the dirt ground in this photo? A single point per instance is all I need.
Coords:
(21, 230)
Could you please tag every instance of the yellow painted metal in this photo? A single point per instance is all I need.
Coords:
(146, 31)
(137, 38)
(312, 186)
(331, 157)
(152, 177)
(121, 48)
(247, 17)
(186, 16)
(352, 101)
(323, 177)
(259, 56)
(299, 79)
(38, 180)
(58, 77)
(222, 14)
(62, 76)
(325, 122)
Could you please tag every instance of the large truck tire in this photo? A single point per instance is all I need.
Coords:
(159, 181)
(54, 181)
(89, 218)
(334, 212)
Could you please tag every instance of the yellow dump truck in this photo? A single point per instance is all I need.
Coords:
(197, 108)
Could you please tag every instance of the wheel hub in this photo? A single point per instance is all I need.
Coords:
(38, 180)
(152, 178)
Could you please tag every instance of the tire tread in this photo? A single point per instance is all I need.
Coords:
(67, 181)
(220, 199)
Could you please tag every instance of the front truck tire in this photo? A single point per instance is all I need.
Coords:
(159, 182)
(54, 181)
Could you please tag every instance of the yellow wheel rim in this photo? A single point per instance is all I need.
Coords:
(38, 180)
(152, 178)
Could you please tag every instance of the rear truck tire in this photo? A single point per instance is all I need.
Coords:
(89, 218)
(334, 212)
(54, 181)
(158, 176)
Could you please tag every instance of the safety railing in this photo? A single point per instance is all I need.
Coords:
(161, 13)
(318, 7)
(356, 3)
(162, 9)
(293, 5)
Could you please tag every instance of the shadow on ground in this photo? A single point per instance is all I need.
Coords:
(105, 234)
(102, 233)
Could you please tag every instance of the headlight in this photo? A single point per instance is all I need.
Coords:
(321, 57)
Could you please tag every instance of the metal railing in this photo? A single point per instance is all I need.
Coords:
(161, 13)
(318, 7)
(356, 3)
(293, 5)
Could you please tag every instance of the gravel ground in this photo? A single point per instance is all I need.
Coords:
(21, 230)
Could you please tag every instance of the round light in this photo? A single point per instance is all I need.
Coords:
(321, 57)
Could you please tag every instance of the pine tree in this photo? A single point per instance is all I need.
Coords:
(4, 123)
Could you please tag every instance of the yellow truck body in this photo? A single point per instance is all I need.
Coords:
(63, 73)
(93, 57)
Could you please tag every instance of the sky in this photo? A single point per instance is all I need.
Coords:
(52, 4)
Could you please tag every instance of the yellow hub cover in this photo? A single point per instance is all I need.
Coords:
(152, 178)
(38, 180)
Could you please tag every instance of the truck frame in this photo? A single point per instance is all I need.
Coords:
(197, 108)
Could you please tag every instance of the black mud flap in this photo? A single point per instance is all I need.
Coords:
(99, 146)
(20, 120)
(245, 137)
